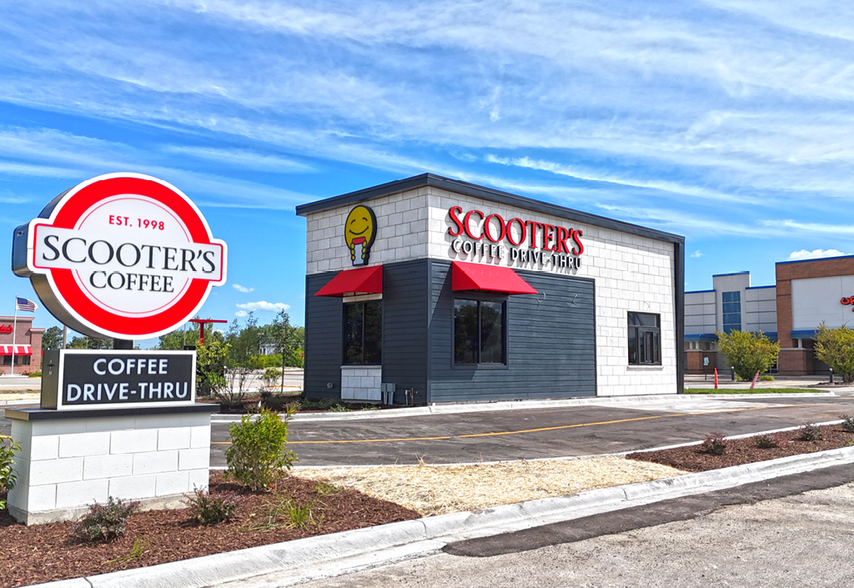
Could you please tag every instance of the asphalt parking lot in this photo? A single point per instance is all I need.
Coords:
(497, 435)
(540, 432)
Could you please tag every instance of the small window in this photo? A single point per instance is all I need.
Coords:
(479, 332)
(644, 339)
(363, 333)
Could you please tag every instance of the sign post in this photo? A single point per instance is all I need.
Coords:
(121, 257)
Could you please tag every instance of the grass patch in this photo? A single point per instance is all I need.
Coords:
(754, 391)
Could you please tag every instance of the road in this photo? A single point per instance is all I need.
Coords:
(539, 433)
(536, 433)
(760, 535)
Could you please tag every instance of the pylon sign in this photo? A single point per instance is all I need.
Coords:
(122, 256)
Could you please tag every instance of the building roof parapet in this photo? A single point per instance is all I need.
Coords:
(485, 193)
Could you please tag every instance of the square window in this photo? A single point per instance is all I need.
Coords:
(479, 332)
(363, 333)
(644, 338)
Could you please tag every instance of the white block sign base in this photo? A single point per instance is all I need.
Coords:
(69, 460)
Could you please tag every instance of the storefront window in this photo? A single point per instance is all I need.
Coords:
(479, 332)
(644, 339)
(731, 311)
(363, 332)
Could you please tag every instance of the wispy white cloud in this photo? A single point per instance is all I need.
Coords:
(815, 254)
(812, 228)
(264, 306)
(243, 289)
(243, 158)
(241, 313)
(697, 253)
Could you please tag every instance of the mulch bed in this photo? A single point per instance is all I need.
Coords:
(740, 451)
(41, 553)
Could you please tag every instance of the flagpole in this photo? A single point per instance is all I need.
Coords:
(14, 335)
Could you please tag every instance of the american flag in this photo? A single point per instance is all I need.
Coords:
(25, 305)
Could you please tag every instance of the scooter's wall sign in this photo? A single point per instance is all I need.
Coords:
(123, 256)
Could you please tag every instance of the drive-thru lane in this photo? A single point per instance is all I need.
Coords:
(539, 432)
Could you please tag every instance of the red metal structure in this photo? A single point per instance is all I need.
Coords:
(202, 323)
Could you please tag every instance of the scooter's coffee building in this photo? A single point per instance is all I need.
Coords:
(446, 291)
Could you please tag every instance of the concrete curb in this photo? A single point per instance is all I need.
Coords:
(298, 561)
(440, 409)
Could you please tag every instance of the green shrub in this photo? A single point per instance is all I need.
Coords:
(835, 347)
(8, 448)
(210, 509)
(258, 451)
(34, 375)
(747, 353)
(847, 423)
(766, 378)
(714, 444)
(810, 432)
(766, 442)
(105, 522)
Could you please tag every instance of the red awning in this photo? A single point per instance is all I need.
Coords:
(19, 350)
(365, 280)
(489, 278)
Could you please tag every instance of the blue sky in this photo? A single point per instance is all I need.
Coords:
(730, 122)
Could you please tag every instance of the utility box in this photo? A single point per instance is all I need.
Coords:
(388, 391)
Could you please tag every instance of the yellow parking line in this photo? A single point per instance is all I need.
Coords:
(522, 431)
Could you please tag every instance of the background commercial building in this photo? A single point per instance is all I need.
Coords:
(28, 345)
(806, 294)
(457, 292)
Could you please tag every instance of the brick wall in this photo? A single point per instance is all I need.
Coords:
(788, 271)
(694, 361)
(794, 362)
(25, 334)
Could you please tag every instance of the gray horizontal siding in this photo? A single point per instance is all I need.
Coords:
(551, 343)
(405, 300)
(324, 338)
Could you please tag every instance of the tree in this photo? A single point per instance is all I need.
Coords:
(288, 340)
(748, 353)
(210, 365)
(86, 342)
(52, 338)
(245, 343)
(835, 347)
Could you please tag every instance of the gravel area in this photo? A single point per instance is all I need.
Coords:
(433, 490)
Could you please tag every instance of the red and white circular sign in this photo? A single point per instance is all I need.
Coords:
(123, 256)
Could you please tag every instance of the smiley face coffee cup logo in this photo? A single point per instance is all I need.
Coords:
(122, 256)
(360, 230)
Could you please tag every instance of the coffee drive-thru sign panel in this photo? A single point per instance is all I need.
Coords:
(77, 379)
(121, 256)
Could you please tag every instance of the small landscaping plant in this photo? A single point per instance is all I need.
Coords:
(714, 444)
(766, 442)
(810, 432)
(258, 453)
(210, 509)
(766, 378)
(8, 448)
(847, 423)
(287, 512)
(105, 522)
